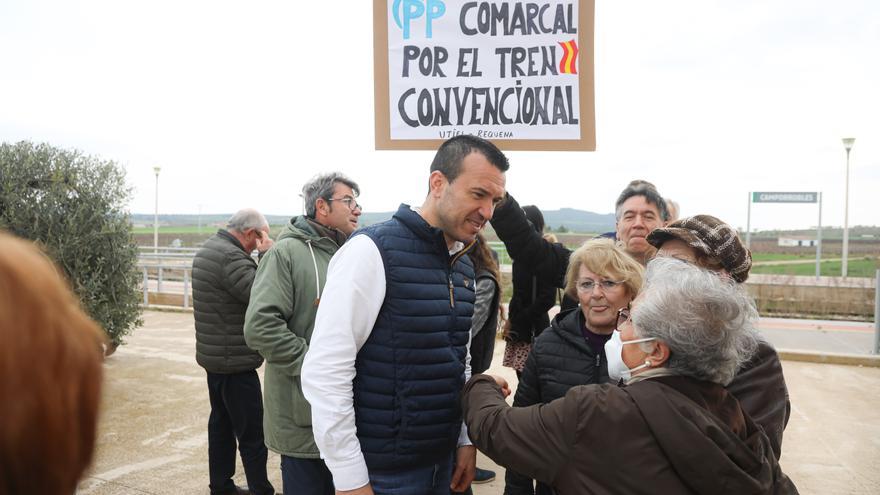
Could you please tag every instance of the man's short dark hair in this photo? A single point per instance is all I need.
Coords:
(644, 188)
(451, 153)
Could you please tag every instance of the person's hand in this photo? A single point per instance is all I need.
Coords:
(264, 242)
(505, 331)
(364, 490)
(465, 468)
(505, 387)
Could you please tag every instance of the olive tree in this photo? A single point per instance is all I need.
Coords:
(73, 206)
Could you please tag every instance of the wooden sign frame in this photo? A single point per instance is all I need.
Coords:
(587, 110)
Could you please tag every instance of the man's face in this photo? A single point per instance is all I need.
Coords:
(637, 219)
(678, 249)
(252, 236)
(343, 211)
(467, 203)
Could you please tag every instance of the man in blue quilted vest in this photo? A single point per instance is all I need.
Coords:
(388, 355)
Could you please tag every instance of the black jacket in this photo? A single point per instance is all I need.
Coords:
(560, 359)
(547, 260)
(528, 307)
(484, 324)
(222, 276)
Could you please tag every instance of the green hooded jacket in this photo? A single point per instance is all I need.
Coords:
(279, 323)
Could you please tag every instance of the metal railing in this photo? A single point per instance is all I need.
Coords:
(166, 279)
(167, 273)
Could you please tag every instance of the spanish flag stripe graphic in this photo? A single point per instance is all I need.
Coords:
(568, 63)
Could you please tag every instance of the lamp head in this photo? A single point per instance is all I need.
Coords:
(848, 143)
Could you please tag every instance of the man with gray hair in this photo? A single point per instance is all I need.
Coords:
(223, 272)
(639, 210)
(281, 316)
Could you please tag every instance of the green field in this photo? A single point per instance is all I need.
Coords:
(192, 229)
(857, 267)
(786, 257)
(207, 230)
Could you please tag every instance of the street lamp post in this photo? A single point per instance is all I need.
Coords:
(156, 214)
(848, 144)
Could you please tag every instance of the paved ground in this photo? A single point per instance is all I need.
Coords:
(850, 337)
(153, 436)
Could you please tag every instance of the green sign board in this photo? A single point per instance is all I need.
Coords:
(784, 197)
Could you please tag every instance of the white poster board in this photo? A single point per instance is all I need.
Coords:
(517, 73)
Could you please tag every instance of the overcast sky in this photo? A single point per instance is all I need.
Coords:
(241, 102)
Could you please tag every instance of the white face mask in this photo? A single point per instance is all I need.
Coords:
(617, 369)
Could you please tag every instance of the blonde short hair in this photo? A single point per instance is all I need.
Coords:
(604, 258)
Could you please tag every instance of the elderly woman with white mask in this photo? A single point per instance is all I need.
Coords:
(759, 384)
(673, 427)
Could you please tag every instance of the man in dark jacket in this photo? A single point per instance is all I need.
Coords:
(387, 359)
(639, 210)
(223, 272)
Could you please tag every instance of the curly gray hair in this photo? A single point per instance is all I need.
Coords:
(322, 186)
(708, 321)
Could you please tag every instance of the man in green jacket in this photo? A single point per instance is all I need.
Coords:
(280, 319)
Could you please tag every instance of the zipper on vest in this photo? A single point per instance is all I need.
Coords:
(451, 291)
(598, 360)
(449, 274)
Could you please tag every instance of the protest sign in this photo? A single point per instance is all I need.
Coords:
(517, 73)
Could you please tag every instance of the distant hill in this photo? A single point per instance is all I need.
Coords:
(572, 219)
(579, 220)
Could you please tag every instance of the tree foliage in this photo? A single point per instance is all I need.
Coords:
(74, 207)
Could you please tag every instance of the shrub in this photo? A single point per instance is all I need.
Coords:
(72, 205)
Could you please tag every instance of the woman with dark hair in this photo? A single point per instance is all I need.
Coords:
(527, 311)
(50, 375)
(484, 323)
(486, 308)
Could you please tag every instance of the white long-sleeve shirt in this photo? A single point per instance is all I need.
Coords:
(348, 310)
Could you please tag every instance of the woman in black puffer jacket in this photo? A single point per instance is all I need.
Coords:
(603, 279)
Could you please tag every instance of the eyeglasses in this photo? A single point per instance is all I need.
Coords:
(586, 286)
(622, 317)
(350, 202)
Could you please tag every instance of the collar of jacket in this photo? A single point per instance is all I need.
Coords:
(415, 222)
(231, 238)
(568, 326)
(331, 233)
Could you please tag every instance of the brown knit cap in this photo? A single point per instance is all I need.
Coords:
(712, 237)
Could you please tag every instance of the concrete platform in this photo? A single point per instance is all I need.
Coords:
(153, 430)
